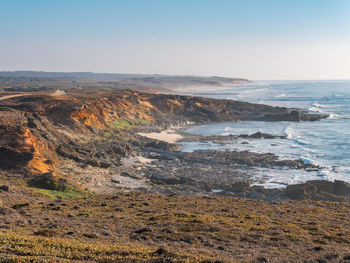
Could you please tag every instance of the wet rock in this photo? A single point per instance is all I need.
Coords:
(320, 190)
(259, 135)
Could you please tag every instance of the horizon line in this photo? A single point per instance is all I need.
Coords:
(175, 75)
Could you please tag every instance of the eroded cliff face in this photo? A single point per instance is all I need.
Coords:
(100, 113)
(20, 148)
(36, 131)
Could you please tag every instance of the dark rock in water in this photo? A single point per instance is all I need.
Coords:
(292, 116)
(262, 135)
(320, 190)
(259, 135)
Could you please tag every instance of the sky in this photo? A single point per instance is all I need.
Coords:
(254, 39)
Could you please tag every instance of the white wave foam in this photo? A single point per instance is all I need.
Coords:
(333, 116)
(289, 132)
(281, 95)
(316, 109)
(305, 160)
(250, 91)
(315, 104)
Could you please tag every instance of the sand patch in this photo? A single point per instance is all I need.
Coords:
(58, 93)
(163, 136)
(12, 96)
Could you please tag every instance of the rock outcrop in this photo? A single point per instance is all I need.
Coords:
(320, 190)
(37, 131)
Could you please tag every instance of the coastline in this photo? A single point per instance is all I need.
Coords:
(94, 158)
(229, 173)
(112, 194)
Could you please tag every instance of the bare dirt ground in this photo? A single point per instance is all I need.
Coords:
(12, 96)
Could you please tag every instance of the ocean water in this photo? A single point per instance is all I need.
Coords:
(325, 143)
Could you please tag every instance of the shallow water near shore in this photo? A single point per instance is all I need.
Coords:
(325, 143)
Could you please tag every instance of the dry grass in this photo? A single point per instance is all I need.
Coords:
(132, 227)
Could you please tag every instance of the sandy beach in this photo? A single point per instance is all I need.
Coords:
(165, 136)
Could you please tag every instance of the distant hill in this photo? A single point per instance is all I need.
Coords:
(39, 80)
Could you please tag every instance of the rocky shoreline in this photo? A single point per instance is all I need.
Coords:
(227, 173)
(79, 183)
(86, 139)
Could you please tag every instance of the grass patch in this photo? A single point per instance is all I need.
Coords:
(117, 125)
(126, 124)
(110, 134)
(69, 193)
(84, 214)
(32, 248)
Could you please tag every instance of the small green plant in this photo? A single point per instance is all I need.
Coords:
(110, 134)
(69, 193)
(84, 214)
(121, 125)
(126, 124)
(117, 125)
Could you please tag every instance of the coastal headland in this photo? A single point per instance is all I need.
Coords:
(100, 166)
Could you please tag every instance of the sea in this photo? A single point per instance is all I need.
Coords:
(325, 143)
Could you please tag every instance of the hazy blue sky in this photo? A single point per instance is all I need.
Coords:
(256, 39)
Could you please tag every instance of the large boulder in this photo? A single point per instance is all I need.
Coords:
(320, 190)
(48, 181)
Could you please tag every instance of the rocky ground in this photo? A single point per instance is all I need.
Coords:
(141, 227)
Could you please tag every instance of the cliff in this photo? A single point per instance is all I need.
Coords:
(37, 130)
(83, 136)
